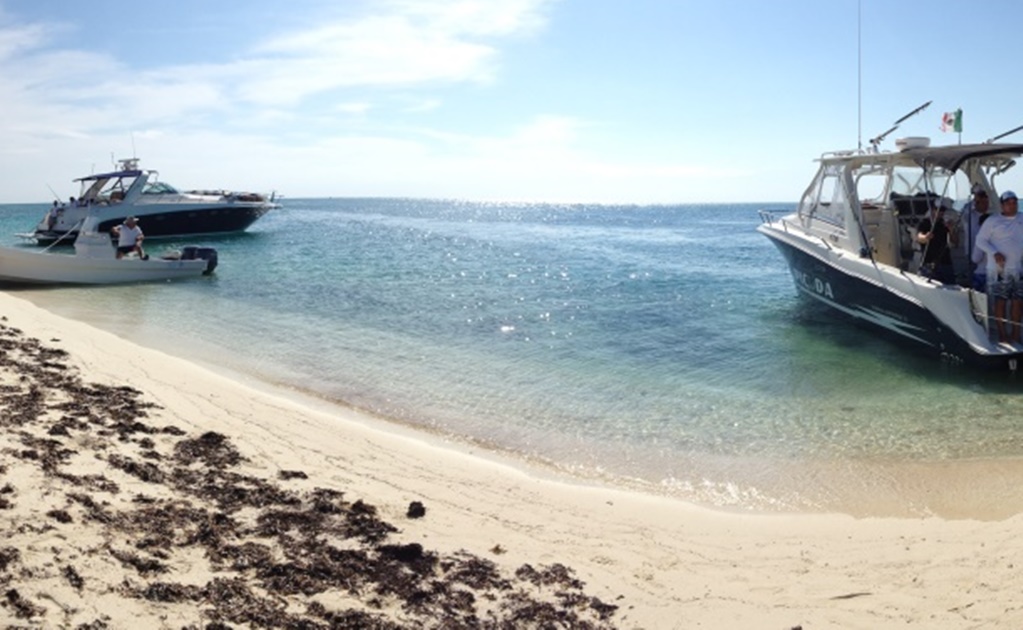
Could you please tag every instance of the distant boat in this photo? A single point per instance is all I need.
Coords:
(851, 244)
(95, 262)
(161, 210)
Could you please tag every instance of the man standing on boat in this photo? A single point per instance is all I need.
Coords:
(51, 216)
(976, 212)
(1001, 240)
(129, 238)
(937, 240)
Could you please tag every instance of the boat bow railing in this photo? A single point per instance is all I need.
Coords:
(778, 216)
(769, 216)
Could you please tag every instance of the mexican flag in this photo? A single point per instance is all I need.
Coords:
(952, 121)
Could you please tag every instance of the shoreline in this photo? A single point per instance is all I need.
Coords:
(662, 562)
(981, 489)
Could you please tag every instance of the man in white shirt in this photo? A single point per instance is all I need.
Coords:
(129, 238)
(51, 216)
(1001, 240)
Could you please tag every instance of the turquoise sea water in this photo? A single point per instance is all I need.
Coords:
(662, 347)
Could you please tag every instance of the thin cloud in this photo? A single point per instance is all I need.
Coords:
(299, 105)
(404, 43)
(399, 44)
(476, 17)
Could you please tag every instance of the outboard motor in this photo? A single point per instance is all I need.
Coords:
(191, 252)
(210, 256)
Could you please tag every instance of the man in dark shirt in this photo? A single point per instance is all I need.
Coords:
(937, 239)
(973, 215)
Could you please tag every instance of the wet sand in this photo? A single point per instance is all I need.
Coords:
(139, 490)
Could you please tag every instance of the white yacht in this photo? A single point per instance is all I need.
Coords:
(161, 209)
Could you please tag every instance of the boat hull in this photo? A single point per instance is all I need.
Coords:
(173, 221)
(34, 267)
(895, 306)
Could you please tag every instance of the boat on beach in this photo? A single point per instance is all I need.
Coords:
(851, 243)
(163, 210)
(95, 262)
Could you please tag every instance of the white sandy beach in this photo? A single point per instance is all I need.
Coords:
(663, 563)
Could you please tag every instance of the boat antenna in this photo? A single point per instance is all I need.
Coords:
(877, 140)
(1002, 135)
(53, 192)
(133, 154)
(859, 76)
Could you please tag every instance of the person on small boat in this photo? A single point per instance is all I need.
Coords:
(1001, 239)
(51, 216)
(937, 238)
(129, 238)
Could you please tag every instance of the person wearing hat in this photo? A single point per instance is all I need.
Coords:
(975, 212)
(937, 238)
(129, 238)
(1001, 240)
(51, 216)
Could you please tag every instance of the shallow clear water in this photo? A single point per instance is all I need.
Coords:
(664, 345)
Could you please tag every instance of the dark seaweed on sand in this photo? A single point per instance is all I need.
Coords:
(279, 556)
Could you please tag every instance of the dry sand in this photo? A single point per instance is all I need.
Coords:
(138, 490)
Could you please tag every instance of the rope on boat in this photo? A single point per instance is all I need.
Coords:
(64, 235)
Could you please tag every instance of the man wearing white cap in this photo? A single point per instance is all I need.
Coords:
(1001, 239)
(129, 238)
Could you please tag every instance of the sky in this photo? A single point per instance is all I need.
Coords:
(609, 101)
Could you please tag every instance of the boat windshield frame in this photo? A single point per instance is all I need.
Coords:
(930, 170)
(159, 188)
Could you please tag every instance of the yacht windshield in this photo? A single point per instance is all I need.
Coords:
(107, 190)
(159, 188)
(911, 181)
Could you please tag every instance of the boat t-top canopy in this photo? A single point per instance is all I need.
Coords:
(952, 157)
(129, 168)
(93, 178)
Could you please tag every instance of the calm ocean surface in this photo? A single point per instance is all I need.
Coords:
(660, 347)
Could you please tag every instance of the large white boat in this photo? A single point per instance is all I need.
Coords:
(161, 209)
(95, 261)
(851, 244)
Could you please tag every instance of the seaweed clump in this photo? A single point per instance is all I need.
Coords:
(277, 557)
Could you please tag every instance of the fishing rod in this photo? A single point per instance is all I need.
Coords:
(877, 141)
(1002, 135)
(914, 112)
